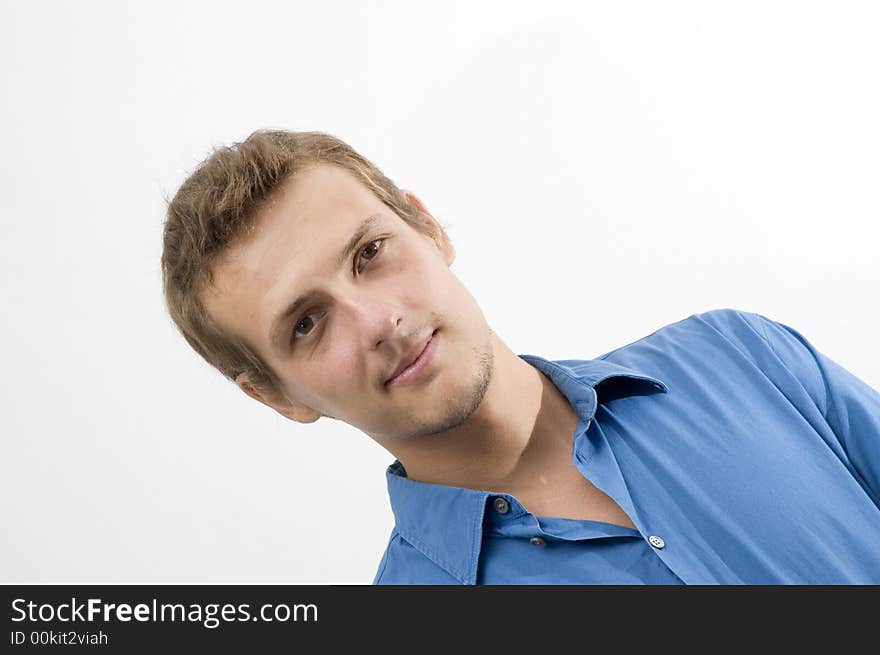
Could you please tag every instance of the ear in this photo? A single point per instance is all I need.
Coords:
(439, 237)
(292, 409)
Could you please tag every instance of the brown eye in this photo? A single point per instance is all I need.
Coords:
(370, 250)
(308, 323)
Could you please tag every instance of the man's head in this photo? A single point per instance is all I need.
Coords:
(285, 217)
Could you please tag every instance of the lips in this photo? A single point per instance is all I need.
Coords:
(410, 357)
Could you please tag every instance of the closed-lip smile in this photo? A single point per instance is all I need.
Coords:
(412, 365)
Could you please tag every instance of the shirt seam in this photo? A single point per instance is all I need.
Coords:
(830, 412)
(832, 405)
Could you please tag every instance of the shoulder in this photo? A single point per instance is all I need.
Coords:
(753, 331)
(403, 564)
(723, 336)
(743, 329)
(747, 333)
(709, 327)
(735, 324)
(720, 339)
(780, 351)
(732, 322)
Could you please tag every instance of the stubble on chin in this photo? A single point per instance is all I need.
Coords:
(460, 408)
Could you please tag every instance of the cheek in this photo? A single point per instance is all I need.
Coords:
(333, 372)
(423, 281)
(334, 369)
(324, 387)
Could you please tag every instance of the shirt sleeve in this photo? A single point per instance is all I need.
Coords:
(851, 407)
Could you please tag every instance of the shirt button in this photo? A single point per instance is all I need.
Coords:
(656, 541)
(501, 505)
(537, 541)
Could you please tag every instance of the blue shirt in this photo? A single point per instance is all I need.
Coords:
(741, 453)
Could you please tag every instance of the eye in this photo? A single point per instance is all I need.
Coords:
(370, 250)
(304, 326)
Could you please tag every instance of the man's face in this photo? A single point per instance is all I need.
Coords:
(361, 316)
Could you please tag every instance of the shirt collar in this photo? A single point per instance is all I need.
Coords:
(445, 523)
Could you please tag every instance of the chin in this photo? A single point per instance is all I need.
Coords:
(457, 406)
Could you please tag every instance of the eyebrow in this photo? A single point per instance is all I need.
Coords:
(279, 321)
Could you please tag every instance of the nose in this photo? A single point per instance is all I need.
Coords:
(376, 321)
(392, 325)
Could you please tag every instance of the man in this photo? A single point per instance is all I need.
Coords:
(722, 449)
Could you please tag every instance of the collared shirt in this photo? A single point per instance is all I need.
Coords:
(741, 453)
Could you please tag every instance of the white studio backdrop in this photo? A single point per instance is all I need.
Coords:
(603, 170)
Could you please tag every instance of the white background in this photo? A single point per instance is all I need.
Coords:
(602, 169)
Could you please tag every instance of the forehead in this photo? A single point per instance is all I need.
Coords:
(293, 242)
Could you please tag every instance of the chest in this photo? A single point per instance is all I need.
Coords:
(567, 494)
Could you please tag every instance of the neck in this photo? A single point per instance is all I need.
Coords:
(523, 423)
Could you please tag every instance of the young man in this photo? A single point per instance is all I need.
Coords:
(722, 449)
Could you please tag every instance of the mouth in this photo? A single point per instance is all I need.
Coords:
(414, 370)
